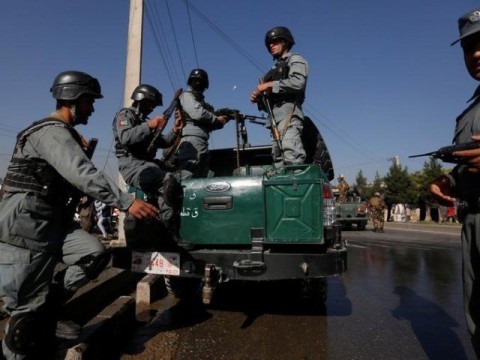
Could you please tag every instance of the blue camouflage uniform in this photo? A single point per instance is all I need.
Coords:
(193, 157)
(139, 167)
(289, 75)
(36, 229)
(466, 189)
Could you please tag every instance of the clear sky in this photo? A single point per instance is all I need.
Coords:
(384, 80)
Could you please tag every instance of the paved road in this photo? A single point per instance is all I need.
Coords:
(400, 299)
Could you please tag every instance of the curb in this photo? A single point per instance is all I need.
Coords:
(104, 331)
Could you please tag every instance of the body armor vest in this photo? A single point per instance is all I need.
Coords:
(138, 150)
(36, 175)
(280, 72)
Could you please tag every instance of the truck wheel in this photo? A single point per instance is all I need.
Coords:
(315, 290)
(361, 226)
(183, 288)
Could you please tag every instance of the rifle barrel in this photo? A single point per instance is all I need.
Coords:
(426, 154)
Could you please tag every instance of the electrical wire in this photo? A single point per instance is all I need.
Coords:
(191, 31)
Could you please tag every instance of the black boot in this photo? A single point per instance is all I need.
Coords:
(68, 329)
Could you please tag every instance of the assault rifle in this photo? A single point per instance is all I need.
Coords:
(446, 153)
(238, 116)
(274, 126)
(166, 114)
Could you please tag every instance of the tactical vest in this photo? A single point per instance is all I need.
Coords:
(138, 150)
(36, 175)
(280, 72)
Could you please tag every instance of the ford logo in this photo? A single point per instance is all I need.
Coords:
(217, 187)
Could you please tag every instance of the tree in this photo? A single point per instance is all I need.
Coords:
(399, 186)
(378, 185)
(361, 183)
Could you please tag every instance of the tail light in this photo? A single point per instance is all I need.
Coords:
(329, 211)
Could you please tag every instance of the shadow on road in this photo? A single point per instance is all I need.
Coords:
(432, 326)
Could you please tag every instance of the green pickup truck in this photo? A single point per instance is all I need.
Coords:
(247, 222)
(352, 212)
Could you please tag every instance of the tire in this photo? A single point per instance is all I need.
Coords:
(183, 288)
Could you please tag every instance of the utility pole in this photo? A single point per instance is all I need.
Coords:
(133, 73)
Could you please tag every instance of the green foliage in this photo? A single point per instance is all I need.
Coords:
(431, 170)
(361, 183)
(399, 186)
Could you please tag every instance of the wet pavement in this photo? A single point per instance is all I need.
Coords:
(400, 299)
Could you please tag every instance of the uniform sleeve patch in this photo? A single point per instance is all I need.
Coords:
(123, 122)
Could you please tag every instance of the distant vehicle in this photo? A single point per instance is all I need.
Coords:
(352, 212)
(247, 222)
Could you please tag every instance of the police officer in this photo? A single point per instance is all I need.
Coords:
(463, 182)
(192, 153)
(133, 132)
(48, 169)
(284, 87)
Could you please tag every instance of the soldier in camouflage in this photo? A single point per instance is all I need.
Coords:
(377, 207)
(343, 189)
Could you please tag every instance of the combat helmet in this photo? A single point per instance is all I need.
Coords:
(279, 32)
(70, 85)
(199, 74)
(147, 92)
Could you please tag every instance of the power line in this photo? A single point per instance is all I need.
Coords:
(191, 31)
(176, 42)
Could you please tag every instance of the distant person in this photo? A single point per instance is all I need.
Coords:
(49, 166)
(463, 182)
(377, 207)
(100, 208)
(193, 158)
(283, 88)
(343, 189)
(133, 132)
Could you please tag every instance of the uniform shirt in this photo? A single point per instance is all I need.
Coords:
(466, 184)
(25, 218)
(200, 121)
(296, 83)
(133, 132)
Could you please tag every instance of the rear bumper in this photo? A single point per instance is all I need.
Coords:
(243, 265)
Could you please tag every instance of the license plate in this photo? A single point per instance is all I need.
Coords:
(161, 263)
